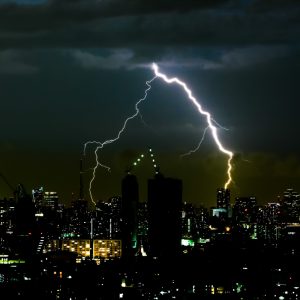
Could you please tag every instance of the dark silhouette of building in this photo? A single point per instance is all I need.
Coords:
(25, 223)
(130, 199)
(24, 212)
(164, 204)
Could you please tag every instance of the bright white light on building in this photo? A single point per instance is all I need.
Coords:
(123, 284)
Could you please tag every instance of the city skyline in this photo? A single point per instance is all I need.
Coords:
(72, 72)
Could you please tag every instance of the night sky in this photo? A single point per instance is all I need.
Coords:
(72, 71)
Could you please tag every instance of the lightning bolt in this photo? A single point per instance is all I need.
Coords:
(199, 145)
(100, 145)
(209, 119)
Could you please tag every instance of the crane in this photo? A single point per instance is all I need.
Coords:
(18, 192)
(9, 185)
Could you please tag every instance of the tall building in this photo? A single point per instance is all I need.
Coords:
(244, 210)
(223, 198)
(189, 221)
(38, 197)
(24, 212)
(143, 223)
(115, 204)
(108, 219)
(290, 206)
(51, 200)
(130, 199)
(164, 205)
(7, 216)
(269, 226)
(80, 218)
(244, 218)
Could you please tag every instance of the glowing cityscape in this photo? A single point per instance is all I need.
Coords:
(149, 150)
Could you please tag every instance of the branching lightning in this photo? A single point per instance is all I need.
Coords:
(209, 119)
(198, 146)
(100, 145)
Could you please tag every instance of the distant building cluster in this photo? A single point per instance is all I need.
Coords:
(137, 249)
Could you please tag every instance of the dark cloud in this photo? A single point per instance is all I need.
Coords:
(139, 23)
(264, 6)
(115, 60)
(11, 63)
(58, 13)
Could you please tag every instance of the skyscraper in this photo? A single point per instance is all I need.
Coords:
(51, 200)
(223, 198)
(164, 204)
(130, 199)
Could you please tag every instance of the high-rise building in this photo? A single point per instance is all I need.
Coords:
(143, 224)
(38, 197)
(24, 211)
(7, 216)
(244, 218)
(244, 210)
(164, 204)
(108, 219)
(269, 226)
(130, 199)
(290, 206)
(80, 218)
(223, 198)
(51, 200)
(189, 221)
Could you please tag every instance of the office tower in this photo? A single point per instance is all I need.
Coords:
(290, 206)
(80, 218)
(38, 198)
(194, 223)
(188, 221)
(24, 212)
(164, 204)
(143, 222)
(244, 210)
(269, 225)
(244, 218)
(202, 221)
(107, 223)
(115, 216)
(51, 200)
(223, 198)
(130, 198)
(101, 224)
(223, 209)
(272, 213)
(25, 223)
(7, 216)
